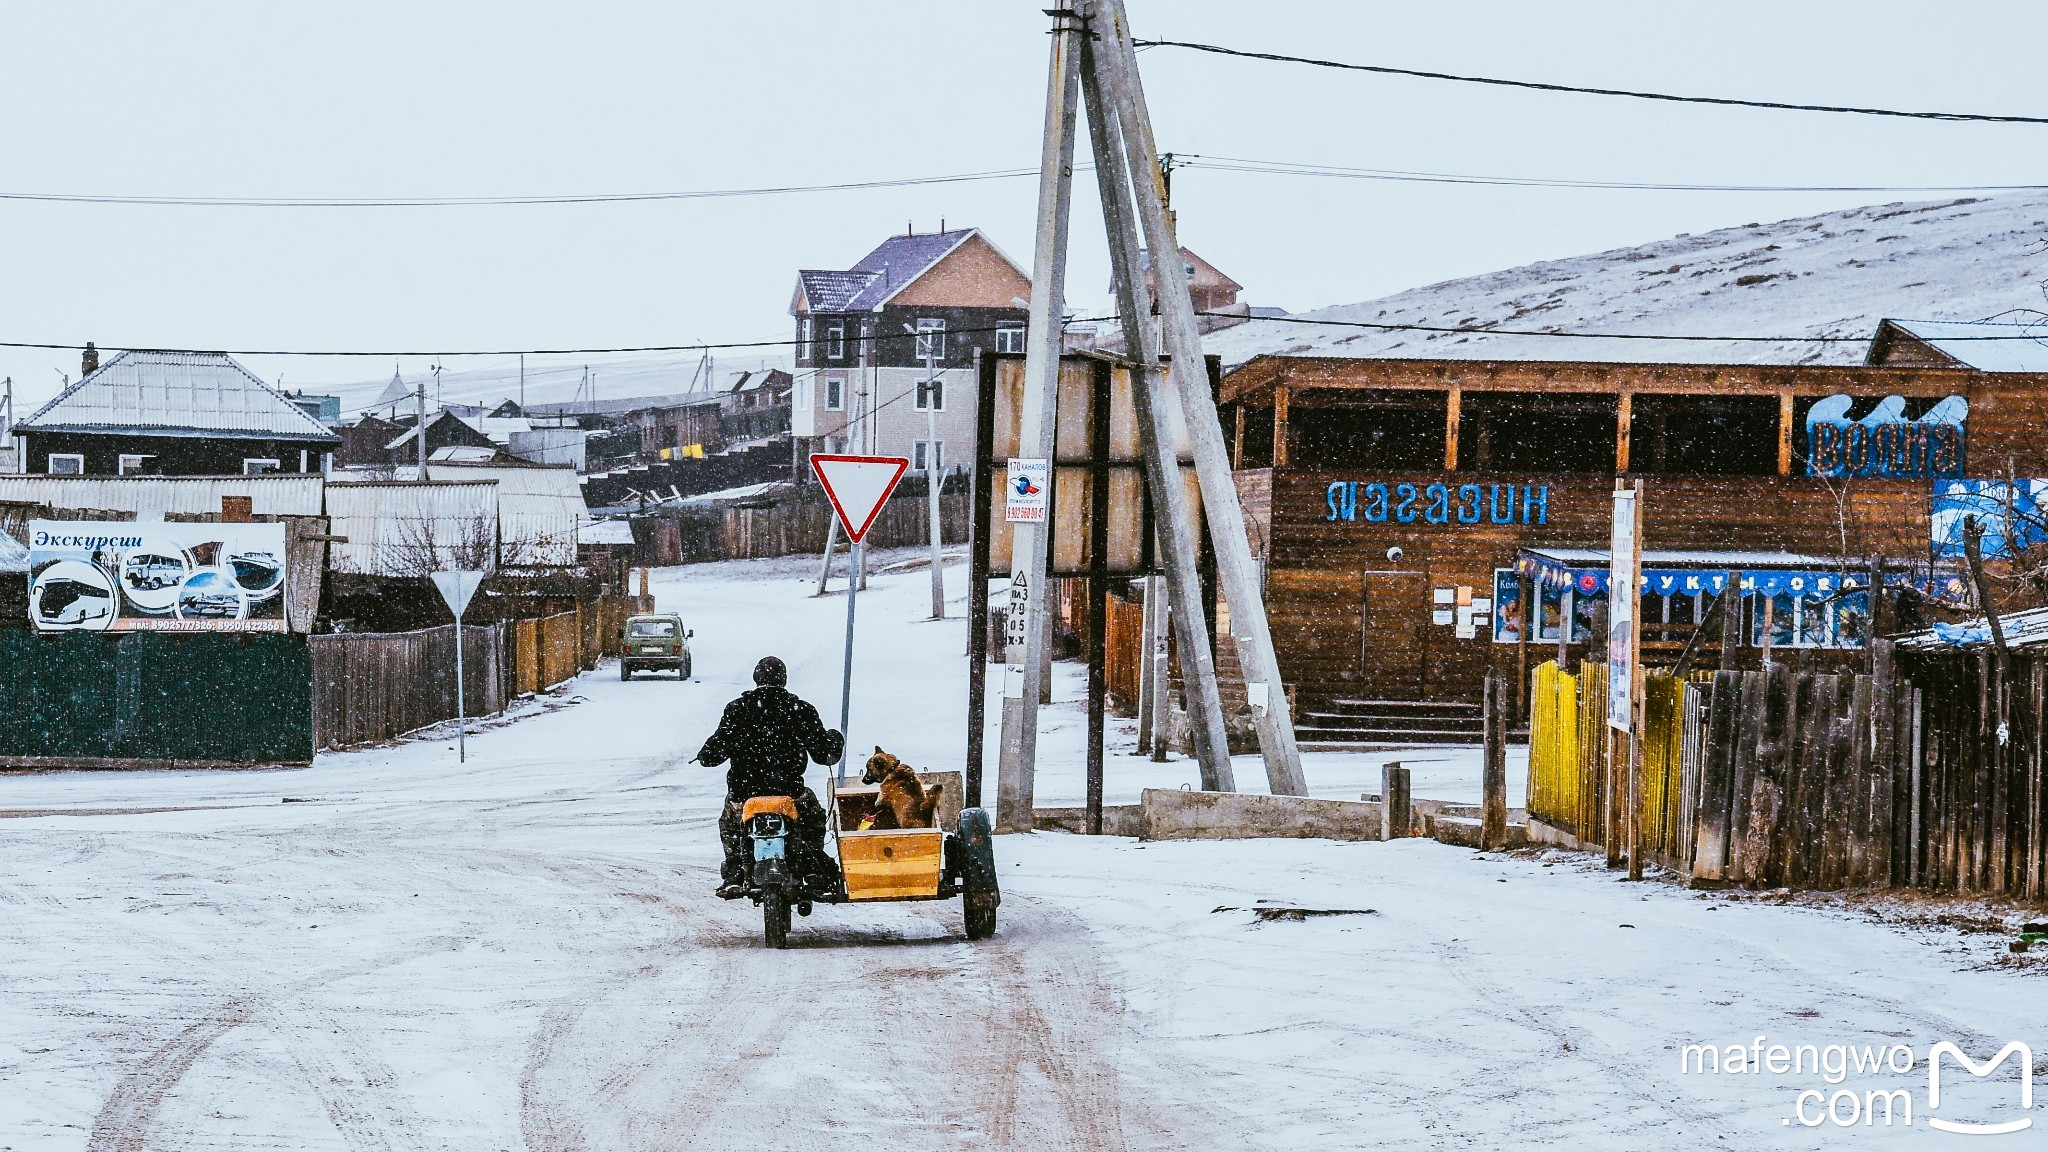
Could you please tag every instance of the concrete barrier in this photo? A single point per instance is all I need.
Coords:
(1117, 820)
(1171, 814)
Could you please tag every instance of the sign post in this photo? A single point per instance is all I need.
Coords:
(857, 486)
(457, 586)
(1624, 673)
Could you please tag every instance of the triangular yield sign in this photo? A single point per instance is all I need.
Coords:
(457, 586)
(858, 486)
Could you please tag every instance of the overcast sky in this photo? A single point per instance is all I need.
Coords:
(407, 99)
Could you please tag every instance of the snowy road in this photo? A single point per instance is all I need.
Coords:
(522, 952)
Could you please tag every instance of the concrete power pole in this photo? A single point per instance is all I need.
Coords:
(1024, 641)
(1236, 569)
(931, 475)
(419, 429)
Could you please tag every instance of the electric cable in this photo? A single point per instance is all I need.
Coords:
(1540, 86)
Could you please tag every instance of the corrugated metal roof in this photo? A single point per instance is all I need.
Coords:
(274, 494)
(201, 391)
(540, 509)
(410, 529)
(1985, 346)
(606, 532)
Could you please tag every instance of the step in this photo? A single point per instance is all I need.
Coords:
(1346, 720)
(1403, 705)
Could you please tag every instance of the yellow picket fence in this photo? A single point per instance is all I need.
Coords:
(1568, 755)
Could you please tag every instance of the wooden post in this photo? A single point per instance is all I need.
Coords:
(1237, 436)
(1098, 588)
(1453, 414)
(1784, 433)
(1016, 781)
(1182, 607)
(1280, 426)
(1493, 825)
(1624, 420)
(1395, 816)
(1731, 619)
(979, 533)
(1532, 608)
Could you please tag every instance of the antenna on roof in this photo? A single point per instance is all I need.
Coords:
(910, 227)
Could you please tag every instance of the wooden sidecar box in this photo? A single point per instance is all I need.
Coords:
(897, 864)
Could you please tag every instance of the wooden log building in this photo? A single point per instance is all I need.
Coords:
(1393, 501)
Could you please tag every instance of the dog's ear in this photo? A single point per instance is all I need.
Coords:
(878, 749)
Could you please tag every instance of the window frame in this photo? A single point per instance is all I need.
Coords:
(1006, 329)
(276, 465)
(835, 340)
(931, 338)
(50, 462)
(923, 396)
(918, 451)
(835, 394)
(132, 463)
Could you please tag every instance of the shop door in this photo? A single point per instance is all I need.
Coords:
(1394, 635)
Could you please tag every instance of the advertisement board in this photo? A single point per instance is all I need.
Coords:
(122, 576)
(1621, 610)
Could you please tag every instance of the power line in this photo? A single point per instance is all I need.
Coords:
(1283, 168)
(2037, 336)
(503, 201)
(1539, 86)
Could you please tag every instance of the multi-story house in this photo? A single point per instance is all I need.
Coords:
(867, 337)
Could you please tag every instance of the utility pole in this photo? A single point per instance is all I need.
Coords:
(1236, 569)
(419, 429)
(1024, 661)
(931, 470)
(522, 383)
(1153, 396)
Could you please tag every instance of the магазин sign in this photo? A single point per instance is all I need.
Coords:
(1399, 503)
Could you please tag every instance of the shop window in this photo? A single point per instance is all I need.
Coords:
(1704, 435)
(1537, 432)
(1809, 618)
(1364, 429)
(1586, 611)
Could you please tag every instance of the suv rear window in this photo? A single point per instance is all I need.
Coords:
(656, 628)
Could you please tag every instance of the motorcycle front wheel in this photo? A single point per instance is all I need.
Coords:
(775, 918)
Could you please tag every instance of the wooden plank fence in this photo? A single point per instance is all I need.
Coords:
(373, 687)
(1929, 776)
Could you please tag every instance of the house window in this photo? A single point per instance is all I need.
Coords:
(835, 341)
(835, 394)
(252, 466)
(803, 338)
(935, 450)
(801, 398)
(931, 394)
(67, 463)
(931, 339)
(1009, 338)
(133, 464)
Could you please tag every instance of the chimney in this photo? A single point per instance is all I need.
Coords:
(90, 362)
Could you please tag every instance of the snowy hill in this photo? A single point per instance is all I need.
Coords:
(1832, 275)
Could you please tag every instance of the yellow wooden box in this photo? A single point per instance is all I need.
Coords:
(892, 865)
(897, 864)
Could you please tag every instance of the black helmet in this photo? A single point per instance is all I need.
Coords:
(771, 672)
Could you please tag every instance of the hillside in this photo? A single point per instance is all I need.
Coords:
(1836, 275)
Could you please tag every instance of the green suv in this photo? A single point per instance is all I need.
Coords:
(654, 642)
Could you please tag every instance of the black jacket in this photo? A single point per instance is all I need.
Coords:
(767, 734)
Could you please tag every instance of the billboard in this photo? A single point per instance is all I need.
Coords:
(121, 576)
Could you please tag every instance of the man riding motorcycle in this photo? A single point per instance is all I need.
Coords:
(768, 734)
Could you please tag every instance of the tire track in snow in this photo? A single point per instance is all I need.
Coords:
(126, 1119)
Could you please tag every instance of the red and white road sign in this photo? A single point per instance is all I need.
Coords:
(858, 486)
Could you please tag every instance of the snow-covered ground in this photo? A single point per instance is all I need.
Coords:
(391, 950)
(1834, 275)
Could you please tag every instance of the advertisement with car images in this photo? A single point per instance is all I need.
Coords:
(121, 576)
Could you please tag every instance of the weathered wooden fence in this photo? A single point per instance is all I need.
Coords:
(375, 686)
(1125, 652)
(545, 652)
(789, 528)
(1928, 775)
